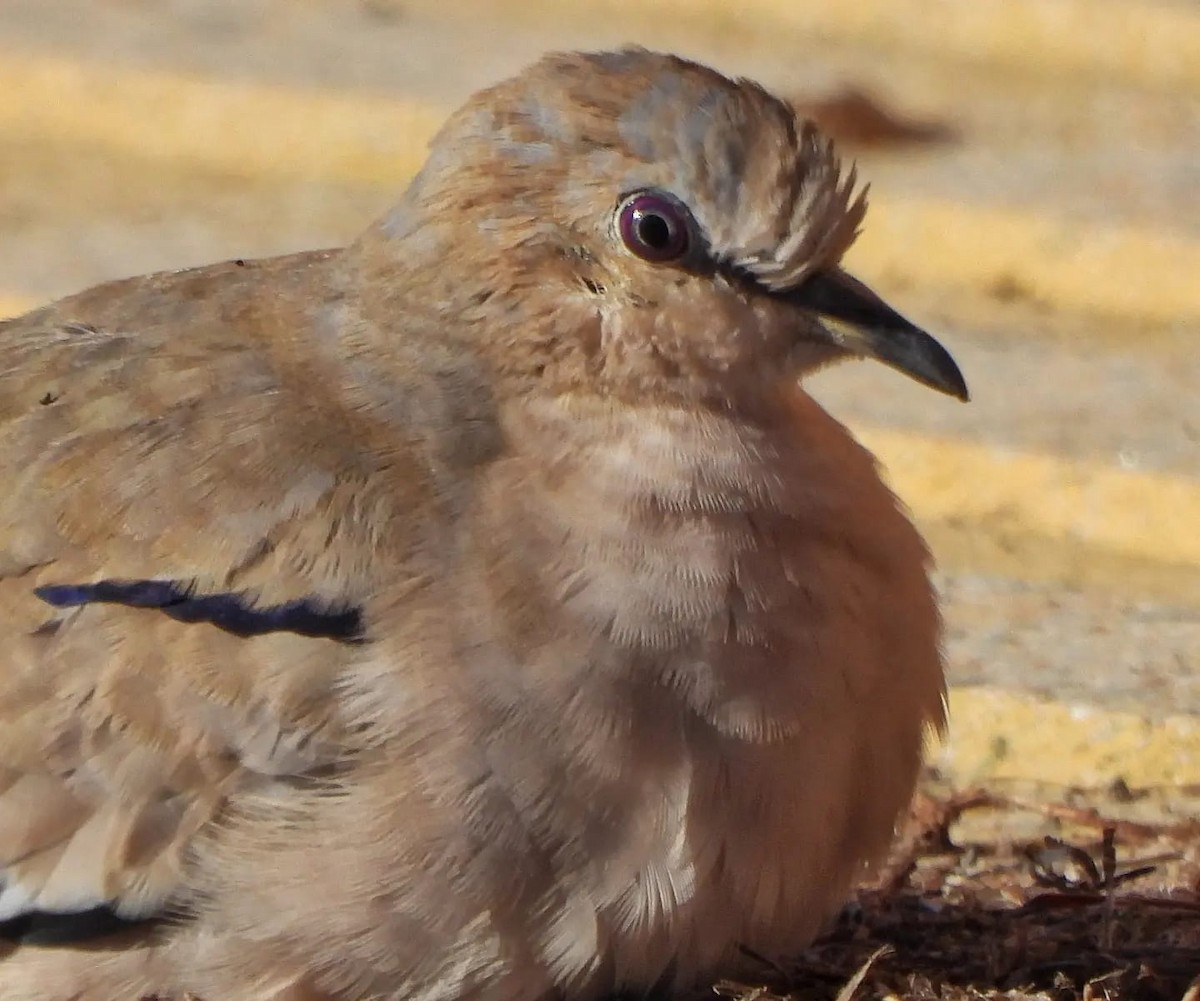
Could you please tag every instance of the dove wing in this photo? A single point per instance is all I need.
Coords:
(191, 520)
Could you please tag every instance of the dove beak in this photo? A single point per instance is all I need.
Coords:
(855, 319)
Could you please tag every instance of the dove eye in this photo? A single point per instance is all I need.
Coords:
(654, 227)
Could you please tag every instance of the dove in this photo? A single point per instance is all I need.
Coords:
(479, 611)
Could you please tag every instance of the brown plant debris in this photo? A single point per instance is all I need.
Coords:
(1019, 894)
(854, 117)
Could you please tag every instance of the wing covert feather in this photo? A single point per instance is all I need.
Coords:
(191, 452)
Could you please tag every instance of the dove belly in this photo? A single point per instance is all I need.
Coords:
(726, 687)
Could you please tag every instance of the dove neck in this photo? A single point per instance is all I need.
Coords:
(666, 457)
(707, 551)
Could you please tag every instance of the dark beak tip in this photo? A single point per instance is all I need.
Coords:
(956, 386)
(943, 371)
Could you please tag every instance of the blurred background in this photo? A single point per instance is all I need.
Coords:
(1035, 201)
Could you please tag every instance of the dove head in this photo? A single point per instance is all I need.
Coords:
(638, 226)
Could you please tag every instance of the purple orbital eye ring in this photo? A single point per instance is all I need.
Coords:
(654, 227)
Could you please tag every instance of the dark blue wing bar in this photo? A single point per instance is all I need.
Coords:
(42, 928)
(232, 612)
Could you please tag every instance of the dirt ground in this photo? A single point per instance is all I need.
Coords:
(1018, 893)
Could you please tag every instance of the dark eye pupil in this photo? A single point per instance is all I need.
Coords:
(654, 231)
